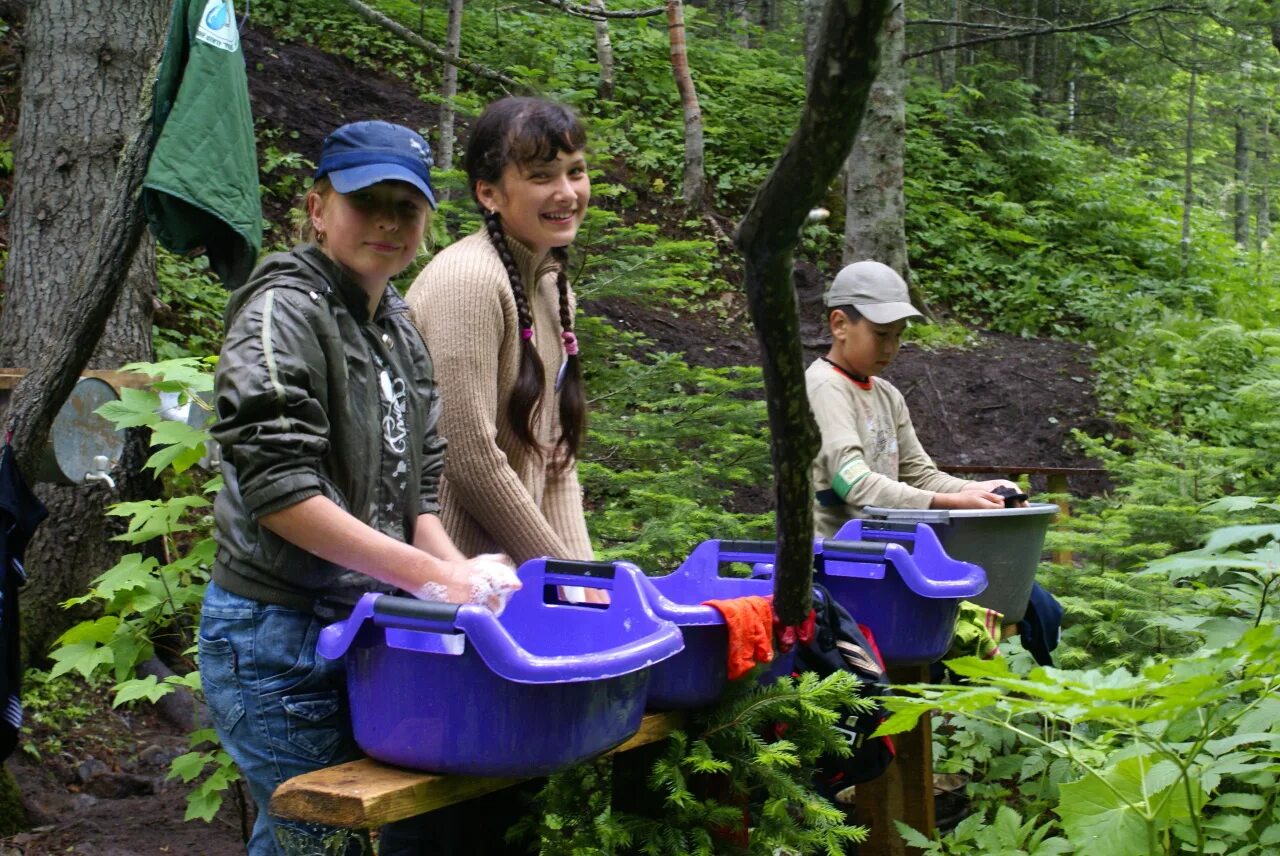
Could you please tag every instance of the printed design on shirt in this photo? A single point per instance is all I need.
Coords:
(883, 448)
(394, 399)
(218, 26)
(849, 474)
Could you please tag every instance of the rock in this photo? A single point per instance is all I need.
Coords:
(90, 768)
(157, 756)
(83, 802)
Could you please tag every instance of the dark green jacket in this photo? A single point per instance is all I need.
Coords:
(201, 188)
(299, 414)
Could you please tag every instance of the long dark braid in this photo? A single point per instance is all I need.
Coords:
(573, 399)
(522, 408)
(520, 131)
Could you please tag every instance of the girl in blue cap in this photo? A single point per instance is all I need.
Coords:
(326, 415)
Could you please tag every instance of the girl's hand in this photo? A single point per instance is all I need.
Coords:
(487, 580)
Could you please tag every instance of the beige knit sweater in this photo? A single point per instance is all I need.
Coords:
(496, 496)
(870, 454)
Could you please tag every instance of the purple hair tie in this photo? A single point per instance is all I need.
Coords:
(526, 332)
(570, 343)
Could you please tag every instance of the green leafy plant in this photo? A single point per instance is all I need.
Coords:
(1176, 755)
(151, 599)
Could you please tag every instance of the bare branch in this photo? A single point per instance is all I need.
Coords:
(1131, 16)
(963, 25)
(373, 16)
(603, 14)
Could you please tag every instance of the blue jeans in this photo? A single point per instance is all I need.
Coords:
(280, 710)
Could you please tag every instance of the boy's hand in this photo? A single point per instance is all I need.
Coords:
(969, 498)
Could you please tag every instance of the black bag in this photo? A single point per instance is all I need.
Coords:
(839, 643)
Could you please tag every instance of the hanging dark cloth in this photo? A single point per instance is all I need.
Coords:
(20, 514)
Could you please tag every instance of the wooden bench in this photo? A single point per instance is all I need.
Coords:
(365, 794)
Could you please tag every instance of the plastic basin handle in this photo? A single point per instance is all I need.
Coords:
(753, 548)
(576, 572)
(857, 548)
(412, 614)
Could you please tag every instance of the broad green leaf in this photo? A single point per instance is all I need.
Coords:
(188, 766)
(1111, 816)
(100, 631)
(134, 409)
(1248, 802)
(178, 375)
(82, 657)
(138, 688)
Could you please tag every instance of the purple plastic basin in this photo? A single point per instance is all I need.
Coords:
(901, 584)
(456, 689)
(698, 675)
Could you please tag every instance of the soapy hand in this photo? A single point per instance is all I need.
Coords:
(488, 580)
(493, 581)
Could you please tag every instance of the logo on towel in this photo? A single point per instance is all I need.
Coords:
(218, 26)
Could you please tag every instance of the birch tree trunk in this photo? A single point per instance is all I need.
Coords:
(449, 86)
(604, 54)
(83, 70)
(874, 205)
(1188, 146)
(695, 180)
(1263, 232)
(1242, 180)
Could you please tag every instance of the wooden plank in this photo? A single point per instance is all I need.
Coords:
(1015, 470)
(905, 791)
(9, 377)
(366, 793)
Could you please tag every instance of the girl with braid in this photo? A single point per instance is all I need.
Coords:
(497, 313)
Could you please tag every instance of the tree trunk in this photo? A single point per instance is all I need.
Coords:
(812, 12)
(741, 22)
(1188, 146)
(604, 55)
(85, 64)
(947, 58)
(449, 86)
(695, 180)
(845, 65)
(1263, 232)
(1242, 180)
(874, 205)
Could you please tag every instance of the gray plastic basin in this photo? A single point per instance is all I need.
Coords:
(1004, 542)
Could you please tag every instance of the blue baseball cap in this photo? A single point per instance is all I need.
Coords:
(364, 153)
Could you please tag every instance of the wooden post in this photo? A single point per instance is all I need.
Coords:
(1058, 484)
(905, 791)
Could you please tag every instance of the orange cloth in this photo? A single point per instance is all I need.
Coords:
(750, 624)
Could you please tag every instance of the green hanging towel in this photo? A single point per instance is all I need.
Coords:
(201, 188)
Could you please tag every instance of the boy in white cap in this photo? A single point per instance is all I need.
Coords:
(870, 455)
